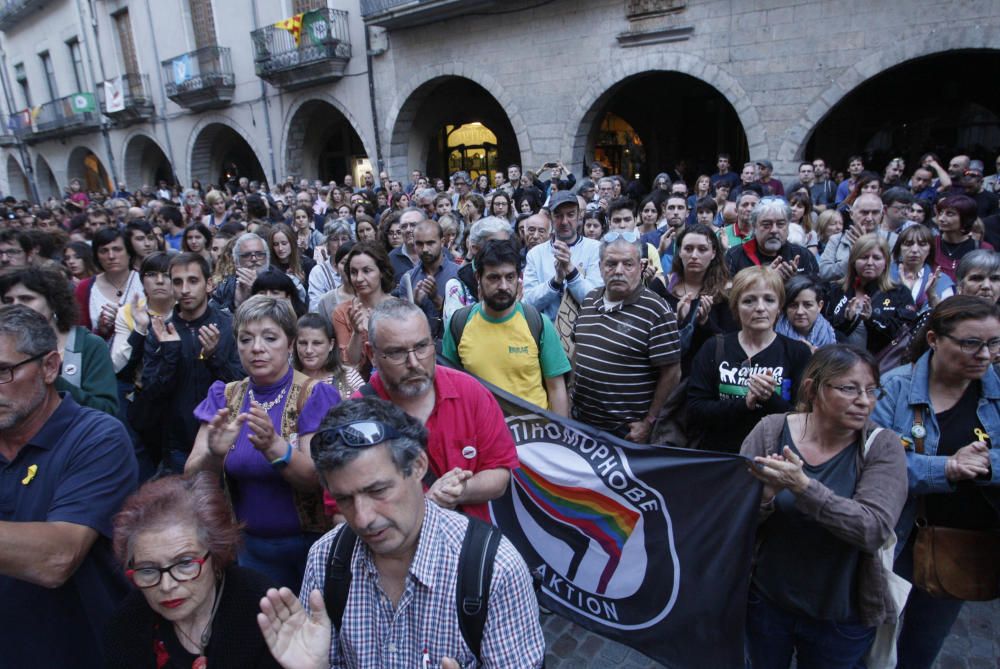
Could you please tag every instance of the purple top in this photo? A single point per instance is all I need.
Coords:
(263, 499)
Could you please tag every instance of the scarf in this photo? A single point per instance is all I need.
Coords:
(821, 333)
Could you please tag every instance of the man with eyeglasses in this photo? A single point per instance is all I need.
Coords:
(569, 262)
(395, 599)
(251, 256)
(15, 249)
(769, 244)
(185, 354)
(628, 349)
(470, 449)
(66, 471)
(405, 257)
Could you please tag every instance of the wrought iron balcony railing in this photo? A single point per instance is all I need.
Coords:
(310, 49)
(200, 79)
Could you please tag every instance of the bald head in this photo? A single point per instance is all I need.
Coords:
(866, 211)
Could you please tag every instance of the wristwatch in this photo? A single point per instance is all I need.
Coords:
(279, 464)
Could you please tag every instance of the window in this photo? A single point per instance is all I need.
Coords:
(22, 81)
(203, 22)
(126, 43)
(50, 74)
(302, 6)
(76, 56)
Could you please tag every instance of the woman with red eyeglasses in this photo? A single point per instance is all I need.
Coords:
(191, 608)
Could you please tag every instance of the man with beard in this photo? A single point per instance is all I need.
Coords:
(628, 350)
(427, 281)
(67, 469)
(470, 449)
(507, 343)
(569, 262)
(769, 244)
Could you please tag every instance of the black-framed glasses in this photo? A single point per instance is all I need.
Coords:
(253, 255)
(7, 373)
(359, 433)
(854, 392)
(398, 356)
(972, 346)
(185, 569)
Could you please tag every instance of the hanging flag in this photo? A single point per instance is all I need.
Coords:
(649, 546)
(81, 103)
(182, 69)
(114, 96)
(33, 121)
(316, 27)
(292, 25)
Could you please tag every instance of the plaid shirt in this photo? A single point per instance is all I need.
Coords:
(376, 635)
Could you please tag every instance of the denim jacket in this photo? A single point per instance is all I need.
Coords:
(908, 386)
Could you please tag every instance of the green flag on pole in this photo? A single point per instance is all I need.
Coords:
(82, 103)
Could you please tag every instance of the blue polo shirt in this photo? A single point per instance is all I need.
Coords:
(78, 468)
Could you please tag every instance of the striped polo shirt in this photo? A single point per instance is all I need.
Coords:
(619, 352)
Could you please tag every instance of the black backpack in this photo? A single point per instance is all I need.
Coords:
(472, 591)
(533, 317)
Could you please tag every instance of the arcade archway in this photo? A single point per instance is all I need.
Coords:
(935, 103)
(17, 180)
(323, 145)
(220, 155)
(45, 179)
(145, 163)
(450, 124)
(87, 167)
(661, 121)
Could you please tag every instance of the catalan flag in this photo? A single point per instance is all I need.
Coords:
(292, 25)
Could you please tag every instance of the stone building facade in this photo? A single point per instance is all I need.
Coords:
(431, 84)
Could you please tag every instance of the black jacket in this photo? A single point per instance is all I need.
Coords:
(891, 310)
(236, 641)
(746, 255)
(176, 376)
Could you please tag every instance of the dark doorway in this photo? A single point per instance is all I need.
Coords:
(938, 103)
(323, 145)
(659, 121)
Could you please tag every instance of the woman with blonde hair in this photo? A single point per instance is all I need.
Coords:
(866, 308)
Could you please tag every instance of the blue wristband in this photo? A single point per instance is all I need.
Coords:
(284, 461)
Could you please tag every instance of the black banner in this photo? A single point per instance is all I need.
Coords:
(648, 546)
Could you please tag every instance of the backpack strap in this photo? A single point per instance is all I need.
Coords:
(367, 390)
(337, 585)
(457, 324)
(475, 573)
(535, 325)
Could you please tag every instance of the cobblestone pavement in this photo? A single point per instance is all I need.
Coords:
(974, 643)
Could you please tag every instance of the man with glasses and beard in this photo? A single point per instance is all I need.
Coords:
(470, 449)
(505, 342)
(769, 244)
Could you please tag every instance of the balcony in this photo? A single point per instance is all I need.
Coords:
(320, 56)
(13, 11)
(201, 79)
(7, 136)
(392, 14)
(137, 100)
(72, 115)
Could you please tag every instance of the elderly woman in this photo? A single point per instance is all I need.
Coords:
(911, 268)
(87, 373)
(866, 308)
(947, 407)
(740, 377)
(218, 212)
(802, 316)
(191, 606)
(256, 433)
(324, 276)
(834, 486)
(955, 216)
(979, 275)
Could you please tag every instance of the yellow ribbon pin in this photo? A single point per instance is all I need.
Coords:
(981, 435)
(32, 470)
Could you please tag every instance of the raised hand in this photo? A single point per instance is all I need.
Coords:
(222, 432)
(296, 640)
(140, 314)
(164, 331)
(208, 336)
(448, 489)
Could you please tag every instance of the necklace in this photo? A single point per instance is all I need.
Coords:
(267, 406)
(206, 634)
(120, 290)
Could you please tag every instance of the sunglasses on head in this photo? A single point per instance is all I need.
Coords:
(359, 433)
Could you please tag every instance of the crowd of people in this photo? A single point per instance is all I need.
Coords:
(207, 397)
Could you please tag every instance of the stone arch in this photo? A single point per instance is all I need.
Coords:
(84, 164)
(145, 162)
(45, 179)
(17, 180)
(593, 99)
(927, 43)
(310, 97)
(413, 93)
(217, 140)
(322, 137)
